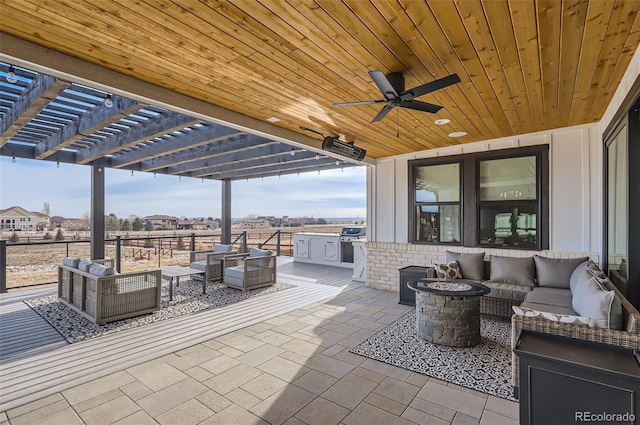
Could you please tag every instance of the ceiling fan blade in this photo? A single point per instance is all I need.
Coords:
(430, 87)
(420, 106)
(383, 85)
(363, 102)
(383, 113)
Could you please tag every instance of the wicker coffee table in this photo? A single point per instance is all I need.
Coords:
(177, 272)
(448, 311)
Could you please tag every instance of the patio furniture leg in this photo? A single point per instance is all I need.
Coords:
(171, 289)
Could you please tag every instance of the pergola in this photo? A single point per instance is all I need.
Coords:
(223, 88)
(48, 118)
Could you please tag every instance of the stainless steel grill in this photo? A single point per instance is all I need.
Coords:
(351, 233)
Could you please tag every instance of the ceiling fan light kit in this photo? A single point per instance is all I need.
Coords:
(392, 88)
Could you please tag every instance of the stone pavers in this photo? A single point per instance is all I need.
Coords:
(292, 369)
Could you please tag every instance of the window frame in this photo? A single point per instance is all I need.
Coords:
(470, 194)
(415, 204)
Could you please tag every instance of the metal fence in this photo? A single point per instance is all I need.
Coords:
(37, 260)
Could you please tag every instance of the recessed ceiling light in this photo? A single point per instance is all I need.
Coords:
(442, 121)
(458, 134)
(273, 119)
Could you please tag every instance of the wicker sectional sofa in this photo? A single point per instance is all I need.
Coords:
(546, 293)
(98, 292)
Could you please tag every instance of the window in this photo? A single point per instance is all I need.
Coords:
(508, 202)
(437, 206)
(492, 199)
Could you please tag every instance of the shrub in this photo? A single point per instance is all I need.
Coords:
(59, 235)
(180, 244)
(148, 243)
(126, 242)
(14, 237)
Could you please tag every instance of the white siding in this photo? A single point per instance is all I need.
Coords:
(575, 186)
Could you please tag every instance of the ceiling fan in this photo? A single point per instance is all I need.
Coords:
(392, 88)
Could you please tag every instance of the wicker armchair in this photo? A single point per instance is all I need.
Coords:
(249, 271)
(104, 299)
(210, 262)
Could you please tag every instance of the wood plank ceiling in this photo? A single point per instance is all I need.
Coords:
(525, 66)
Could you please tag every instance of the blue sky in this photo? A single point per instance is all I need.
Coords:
(31, 183)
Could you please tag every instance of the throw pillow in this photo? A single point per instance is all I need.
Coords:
(84, 265)
(101, 271)
(615, 317)
(471, 265)
(71, 262)
(222, 248)
(591, 300)
(556, 272)
(255, 252)
(518, 271)
(583, 273)
(448, 271)
(554, 317)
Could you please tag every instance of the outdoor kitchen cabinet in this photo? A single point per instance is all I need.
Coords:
(317, 248)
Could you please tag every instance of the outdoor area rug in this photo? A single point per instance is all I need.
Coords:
(187, 299)
(485, 367)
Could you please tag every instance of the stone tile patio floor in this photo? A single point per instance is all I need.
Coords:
(293, 369)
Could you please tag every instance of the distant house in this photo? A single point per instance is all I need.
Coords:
(254, 223)
(69, 223)
(197, 224)
(205, 225)
(162, 222)
(186, 224)
(17, 218)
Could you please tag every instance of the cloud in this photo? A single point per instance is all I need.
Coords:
(31, 183)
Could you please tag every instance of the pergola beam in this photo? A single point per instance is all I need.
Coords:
(41, 91)
(245, 142)
(278, 169)
(147, 131)
(198, 136)
(235, 159)
(84, 123)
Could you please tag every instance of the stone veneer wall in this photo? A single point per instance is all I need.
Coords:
(385, 258)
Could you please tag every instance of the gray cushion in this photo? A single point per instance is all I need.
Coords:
(593, 301)
(556, 272)
(579, 276)
(519, 271)
(222, 248)
(255, 252)
(471, 265)
(551, 296)
(507, 291)
(616, 318)
(550, 308)
(84, 265)
(199, 265)
(101, 271)
(71, 262)
(234, 276)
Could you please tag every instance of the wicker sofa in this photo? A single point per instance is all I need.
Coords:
(96, 291)
(542, 290)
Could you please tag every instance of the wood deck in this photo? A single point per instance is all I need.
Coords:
(37, 362)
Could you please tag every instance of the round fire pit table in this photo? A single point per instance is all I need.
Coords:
(448, 311)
